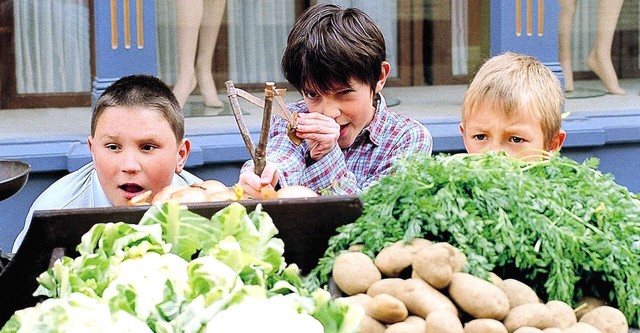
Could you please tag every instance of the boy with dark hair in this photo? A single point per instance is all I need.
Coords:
(336, 59)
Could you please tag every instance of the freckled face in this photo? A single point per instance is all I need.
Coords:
(351, 107)
(135, 150)
(488, 130)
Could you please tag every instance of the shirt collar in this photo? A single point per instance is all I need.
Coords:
(375, 129)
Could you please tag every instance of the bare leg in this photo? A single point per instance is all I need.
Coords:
(188, 17)
(599, 60)
(565, 41)
(209, 28)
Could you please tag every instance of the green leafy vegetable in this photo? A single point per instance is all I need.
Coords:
(177, 271)
(564, 227)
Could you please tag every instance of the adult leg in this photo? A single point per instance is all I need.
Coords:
(565, 41)
(599, 60)
(209, 28)
(188, 18)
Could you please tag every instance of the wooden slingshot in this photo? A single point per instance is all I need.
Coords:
(258, 154)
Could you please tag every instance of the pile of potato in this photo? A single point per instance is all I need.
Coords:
(439, 297)
(214, 190)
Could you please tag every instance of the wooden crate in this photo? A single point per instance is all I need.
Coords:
(305, 225)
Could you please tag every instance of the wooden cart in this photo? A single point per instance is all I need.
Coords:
(305, 225)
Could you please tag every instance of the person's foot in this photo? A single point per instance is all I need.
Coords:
(208, 90)
(183, 88)
(606, 73)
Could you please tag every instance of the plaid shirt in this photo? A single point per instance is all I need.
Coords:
(350, 170)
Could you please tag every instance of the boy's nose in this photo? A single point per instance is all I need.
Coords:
(130, 163)
(331, 108)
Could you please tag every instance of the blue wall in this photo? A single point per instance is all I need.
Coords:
(614, 138)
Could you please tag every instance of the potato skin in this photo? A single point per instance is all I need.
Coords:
(434, 264)
(553, 330)
(413, 324)
(477, 297)
(581, 328)
(394, 259)
(443, 321)
(535, 315)
(371, 325)
(421, 298)
(354, 272)
(518, 292)
(607, 319)
(586, 304)
(484, 325)
(387, 309)
(528, 329)
(563, 315)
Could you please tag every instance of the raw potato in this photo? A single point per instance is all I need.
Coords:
(459, 258)
(387, 309)
(419, 243)
(484, 326)
(434, 265)
(553, 330)
(518, 292)
(362, 300)
(394, 259)
(477, 297)
(443, 321)
(371, 325)
(419, 296)
(587, 304)
(528, 329)
(296, 191)
(413, 324)
(354, 272)
(391, 286)
(582, 328)
(535, 315)
(368, 324)
(189, 194)
(607, 319)
(563, 315)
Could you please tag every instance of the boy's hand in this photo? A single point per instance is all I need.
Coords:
(252, 184)
(320, 131)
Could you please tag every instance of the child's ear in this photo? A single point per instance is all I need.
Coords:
(384, 73)
(461, 129)
(183, 153)
(558, 141)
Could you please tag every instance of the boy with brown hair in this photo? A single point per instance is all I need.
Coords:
(514, 104)
(336, 59)
(137, 144)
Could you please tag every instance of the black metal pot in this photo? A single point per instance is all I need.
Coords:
(13, 176)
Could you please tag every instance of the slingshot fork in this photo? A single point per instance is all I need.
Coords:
(258, 154)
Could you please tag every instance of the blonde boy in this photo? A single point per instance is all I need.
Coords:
(514, 104)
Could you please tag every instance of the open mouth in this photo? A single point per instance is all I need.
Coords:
(343, 129)
(131, 190)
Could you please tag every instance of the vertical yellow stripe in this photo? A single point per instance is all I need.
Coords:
(127, 23)
(114, 24)
(139, 24)
(529, 18)
(518, 18)
(540, 17)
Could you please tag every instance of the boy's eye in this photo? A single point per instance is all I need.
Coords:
(311, 94)
(480, 137)
(516, 139)
(112, 146)
(148, 147)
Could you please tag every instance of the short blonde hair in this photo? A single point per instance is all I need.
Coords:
(511, 82)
